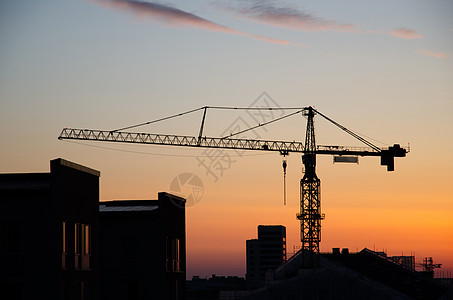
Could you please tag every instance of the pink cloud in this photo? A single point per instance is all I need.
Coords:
(288, 17)
(171, 16)
(405, 33)
(430, 53)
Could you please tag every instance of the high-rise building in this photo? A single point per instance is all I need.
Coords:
(266, 253)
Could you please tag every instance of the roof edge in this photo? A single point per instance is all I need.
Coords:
(69, 164)
(171, 196)
(128, 202)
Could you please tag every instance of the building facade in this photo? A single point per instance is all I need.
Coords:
(49, 226)
(266, 253)
(143, 246)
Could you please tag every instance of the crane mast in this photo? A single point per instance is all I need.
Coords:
(310, 198)
(310, 215)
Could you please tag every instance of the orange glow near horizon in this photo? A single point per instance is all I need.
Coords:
(365, 207)
(220, 231)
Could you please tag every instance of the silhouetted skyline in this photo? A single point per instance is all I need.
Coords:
(382, 69)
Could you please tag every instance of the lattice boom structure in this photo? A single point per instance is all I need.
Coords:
(207, 142)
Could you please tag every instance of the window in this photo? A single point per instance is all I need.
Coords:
(173, 257)
(177, 255)
(64, 254)
(82, 245)
(77, 240)
(86, 257)
(87, 250)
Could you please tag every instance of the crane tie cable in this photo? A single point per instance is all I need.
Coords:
(259, 125)
(206, 107)
(158, 120)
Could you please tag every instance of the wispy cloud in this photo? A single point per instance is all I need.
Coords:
(430, 53)
(287, 17)
(405, 33)
(170, 16)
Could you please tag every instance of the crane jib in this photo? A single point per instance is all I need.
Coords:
(226, 143)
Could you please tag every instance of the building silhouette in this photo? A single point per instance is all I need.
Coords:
(265, 253)
(143, 252)
(49, 228)
(343, 275)
(216, 287)
(57, 241)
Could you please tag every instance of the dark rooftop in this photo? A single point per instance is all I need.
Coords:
(128, 205)
(24, 182)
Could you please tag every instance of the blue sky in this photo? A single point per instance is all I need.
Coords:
(100, 64)
(382, 68)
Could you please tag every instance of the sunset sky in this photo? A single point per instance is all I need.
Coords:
(381, 68)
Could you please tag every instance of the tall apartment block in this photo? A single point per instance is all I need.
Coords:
(267, 252)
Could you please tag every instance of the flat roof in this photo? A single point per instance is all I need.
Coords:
(128, 205)
(106, 208)
(24, 181)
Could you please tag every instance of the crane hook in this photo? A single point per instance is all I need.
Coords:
(284, 164)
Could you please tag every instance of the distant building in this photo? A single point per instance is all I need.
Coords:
(266, 253)
(143, 246)
(216, 287)
(49, 233)
(344, 275)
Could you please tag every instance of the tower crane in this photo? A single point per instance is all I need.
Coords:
(310, 215)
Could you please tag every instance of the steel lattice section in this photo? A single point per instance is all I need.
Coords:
(179, 140)
(310, 219)
(207, 142)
